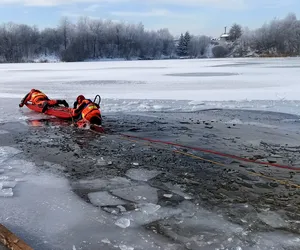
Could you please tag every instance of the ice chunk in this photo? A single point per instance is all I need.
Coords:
(205, 219)
(272, 219)
(122, 209)
(22, 165)
(148, 213)
(106, 241)
(150, 208)
(135, 164)
(168, 195)
(102, 162)
(124, 247)
(7, 192)
(123, 223)
(7, 152)
(104, 199)
(139, 194)
(54, 166)
(176, 189)
(141, 174)
(8, 184)
(114, 183)
(2, 132)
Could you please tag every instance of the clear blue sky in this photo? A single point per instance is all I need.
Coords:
(198, 16)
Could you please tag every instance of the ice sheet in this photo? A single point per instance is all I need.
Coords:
(207, 81)
(43, 210)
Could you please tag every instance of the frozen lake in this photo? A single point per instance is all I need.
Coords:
(43, 209)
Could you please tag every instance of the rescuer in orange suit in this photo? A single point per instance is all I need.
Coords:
(85, 109)
(36, 97)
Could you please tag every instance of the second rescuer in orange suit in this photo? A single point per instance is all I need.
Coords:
(36, 97)
(85, 109)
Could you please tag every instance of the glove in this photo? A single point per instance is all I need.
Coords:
(75, 105)
(21, 105)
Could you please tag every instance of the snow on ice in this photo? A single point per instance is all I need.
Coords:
(266, 84)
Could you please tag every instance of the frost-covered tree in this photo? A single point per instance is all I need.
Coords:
(183, 46)
(198, 46)
(235, 32)
(90, 38)
(219, 51)
(187, 41)
(279, 37)
(180, 46)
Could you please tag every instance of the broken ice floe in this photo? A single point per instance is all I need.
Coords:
(123, 222)
(106, 241)
(54, 166)
(103, 184)
(141, 174)
(104, 199)
(7, 152)
(138, 194)
(176, 189)
(147, 213)
(8, 184)
(272, 219)
(6, 192)
(124, 247)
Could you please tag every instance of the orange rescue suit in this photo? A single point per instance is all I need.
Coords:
(88, 110)
(35, 96)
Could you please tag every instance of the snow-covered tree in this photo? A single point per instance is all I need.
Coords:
(235, 32)
(180, 46)
(198, 46)
(187, 40)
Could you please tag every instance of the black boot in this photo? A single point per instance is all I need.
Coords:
(63, 102)
(45, 107)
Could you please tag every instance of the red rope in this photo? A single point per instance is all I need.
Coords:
(214, 152)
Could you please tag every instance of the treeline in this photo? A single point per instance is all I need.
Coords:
(95, 39)
(86, 39)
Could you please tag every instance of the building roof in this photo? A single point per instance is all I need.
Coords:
(225, 35)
